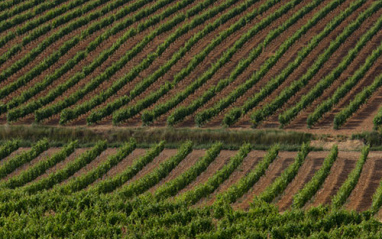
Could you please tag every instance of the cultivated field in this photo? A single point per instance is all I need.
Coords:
(187, 185)
(259, 63)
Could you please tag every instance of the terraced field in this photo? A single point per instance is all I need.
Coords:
(44, 179)
(259, 63)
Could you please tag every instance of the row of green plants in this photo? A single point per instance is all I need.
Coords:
(319, 88)
(40, 168)
(359, 100)
(85, 107)
(377, 121)
(110, 184)
(203, 190)
(86, 179)
(153, 97)
(234, 114)
(282, 182)
(19, 14)
(172, 187)
(111, 70)
(237, 190)
(181, 112)
(13, 163)
(347, 187)
(150, 116)
(8, 148)
(151, 179)
(341, 91)
(68, 170)
(77, 22)
(91, 47)
(311, 188)
(55, 56)
(259, 115)
(31, 106)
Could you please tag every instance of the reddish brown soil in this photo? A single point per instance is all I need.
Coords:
(275, 169)
(213, 168)
(43, 156)
(343, 165)
(312, 163)
(361, 197)
(186, 164)
(245, 168)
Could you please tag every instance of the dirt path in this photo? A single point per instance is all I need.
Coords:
(341, 169)
(275, 169)
(245, 168)
(312, 163)
(361, 197)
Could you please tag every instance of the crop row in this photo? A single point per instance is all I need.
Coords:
(320, 87)
(259, 115)
(150, 116)
(181, 112)
(70, 114)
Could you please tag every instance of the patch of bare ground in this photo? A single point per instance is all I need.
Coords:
(312, 163)
(61, 164)
(93, 164)
(361, 197)
(186, 164)
(283, 160)
(303, 67)
(13, 154)
(255, 65)
(341, 169)
(325, 70)
(347, 145)
(222, 159)
(249, 163)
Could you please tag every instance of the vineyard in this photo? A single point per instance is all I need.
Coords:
(105, 191)
(297, 65)
(190, 119)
